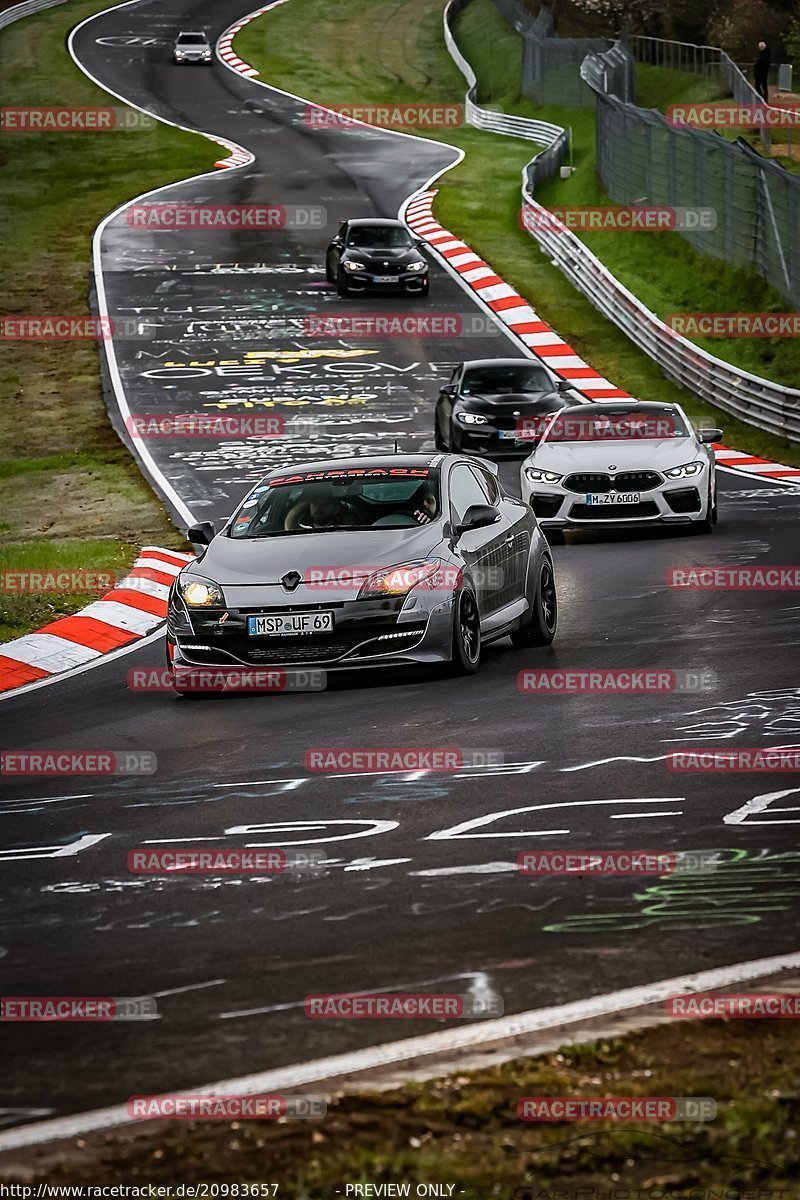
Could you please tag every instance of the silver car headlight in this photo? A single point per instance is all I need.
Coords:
(471, 418)
(417, 266)
(350, 265)
(201, 593)
(536, 475)
(686, 469)
(400, 579)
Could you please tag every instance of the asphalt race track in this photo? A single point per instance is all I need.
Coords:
(421, 890)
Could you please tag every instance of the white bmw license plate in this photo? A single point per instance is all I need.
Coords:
(290, 624)
(384, 278)
(612, 498)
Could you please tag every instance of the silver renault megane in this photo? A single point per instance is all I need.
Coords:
(367, 562)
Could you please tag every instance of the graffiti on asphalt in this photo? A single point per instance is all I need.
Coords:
(743, 890)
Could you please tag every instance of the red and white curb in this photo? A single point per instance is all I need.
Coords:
(130, 611)
(225, 44)
(541, 339)
(752, 464)
(239, 157)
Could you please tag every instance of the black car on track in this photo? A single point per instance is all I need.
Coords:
(492, 405)
(376, 255)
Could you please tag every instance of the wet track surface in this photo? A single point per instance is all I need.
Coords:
(421, 891)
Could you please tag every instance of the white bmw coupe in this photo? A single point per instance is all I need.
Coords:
(621, 463)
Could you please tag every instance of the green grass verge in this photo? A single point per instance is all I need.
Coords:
(661, 269)
(463, 1132)
(658, 87)
(394, 51)
(24, 607)
(64, 474)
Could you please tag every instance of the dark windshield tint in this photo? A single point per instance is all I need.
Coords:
(603, 424)
(522, 378)
(379, 237)
(192, 39)
(339, 504)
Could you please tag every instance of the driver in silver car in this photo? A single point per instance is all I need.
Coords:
(318, 510)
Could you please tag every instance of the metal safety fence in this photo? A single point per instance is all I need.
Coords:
(643, 158)
(551, 65)
(754, 400)
(714, 63)
(27, 9)
(543, 132)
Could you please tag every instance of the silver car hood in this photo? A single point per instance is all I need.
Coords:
(248, 569)
(630, 455)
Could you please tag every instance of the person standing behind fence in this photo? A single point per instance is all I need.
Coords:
(761, 71)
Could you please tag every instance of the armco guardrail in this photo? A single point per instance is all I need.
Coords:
(758, 402)
(485, 118)
(26, 10)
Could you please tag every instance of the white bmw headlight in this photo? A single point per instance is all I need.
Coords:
(350, 265)
(417, 266)
(201, 593)
(686, 469)
(536, 475)
(471, 418)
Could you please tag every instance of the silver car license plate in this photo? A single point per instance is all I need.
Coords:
(290, 624)
(612, 498)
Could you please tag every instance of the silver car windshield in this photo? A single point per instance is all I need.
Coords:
(319, 505)
(603, 424)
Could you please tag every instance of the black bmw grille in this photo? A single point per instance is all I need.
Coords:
(625, 481)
